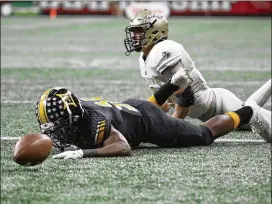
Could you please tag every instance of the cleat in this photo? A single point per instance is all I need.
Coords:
(260, 121)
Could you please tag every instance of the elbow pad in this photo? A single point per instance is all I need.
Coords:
(186, 98)
(181, 79)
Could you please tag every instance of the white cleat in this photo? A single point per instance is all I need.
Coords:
(260, 121)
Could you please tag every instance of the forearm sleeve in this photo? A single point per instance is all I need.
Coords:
(163, 93)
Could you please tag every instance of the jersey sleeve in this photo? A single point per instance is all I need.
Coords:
(100, 128)
(165, 56)
(168, 54)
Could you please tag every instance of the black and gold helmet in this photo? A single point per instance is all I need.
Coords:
(146, 28)
(58, 112)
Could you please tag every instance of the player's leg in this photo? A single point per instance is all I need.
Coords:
(261, 120)
(226, 101)
(262, 95)
(222, 124)
(261, 123)
(166, 131)
(253, 115)
(177, 132)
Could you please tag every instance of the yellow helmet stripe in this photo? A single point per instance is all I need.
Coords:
(41, 108)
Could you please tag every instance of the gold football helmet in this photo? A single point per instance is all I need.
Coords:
(146, 28)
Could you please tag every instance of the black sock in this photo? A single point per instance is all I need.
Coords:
(245, 115)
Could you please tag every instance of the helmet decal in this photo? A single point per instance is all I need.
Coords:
(67, 99)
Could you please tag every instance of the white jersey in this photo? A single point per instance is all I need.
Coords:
(166, 54)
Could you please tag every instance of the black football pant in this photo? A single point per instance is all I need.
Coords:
(166, 131)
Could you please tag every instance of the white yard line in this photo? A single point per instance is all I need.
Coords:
(121, 82)
(33, 102)
(241, 140)
(243, 83)
(60, 22)
(219, 140)
(18, 102)
(9, 138)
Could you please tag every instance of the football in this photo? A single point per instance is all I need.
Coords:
(32, 149)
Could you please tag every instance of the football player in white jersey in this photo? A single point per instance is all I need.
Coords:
(168, 69)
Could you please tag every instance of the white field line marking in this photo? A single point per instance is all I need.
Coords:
(44, 23)
(119, 82)
(17, 102)
(241, 140)
(219, 140)
(9, 138)
(268, 103)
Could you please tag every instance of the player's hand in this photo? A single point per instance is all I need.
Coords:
(77, 154)
(186, 98)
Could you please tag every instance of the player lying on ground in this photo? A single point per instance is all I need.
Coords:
(165, 62)
(103, 128)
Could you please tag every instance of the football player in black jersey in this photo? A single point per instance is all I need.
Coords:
(103, 128)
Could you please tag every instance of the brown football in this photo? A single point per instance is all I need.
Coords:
(32, 149)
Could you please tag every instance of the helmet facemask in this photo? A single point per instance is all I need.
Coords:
(136, 37)
(63, 111)
(145, 30)
(62, 131)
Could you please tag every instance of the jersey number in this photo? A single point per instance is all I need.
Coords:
(106, 103)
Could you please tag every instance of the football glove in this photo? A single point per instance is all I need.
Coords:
(186, 98)
(77, 154)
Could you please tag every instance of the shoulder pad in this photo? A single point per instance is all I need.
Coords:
(164, 54)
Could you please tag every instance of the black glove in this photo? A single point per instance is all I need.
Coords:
(186, 98)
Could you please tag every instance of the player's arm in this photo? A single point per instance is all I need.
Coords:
(166, 106)
(180, 112)
(115, 145)
(179, 80)
(165, 91)
(184, 100)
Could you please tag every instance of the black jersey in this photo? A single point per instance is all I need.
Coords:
(98, 117)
